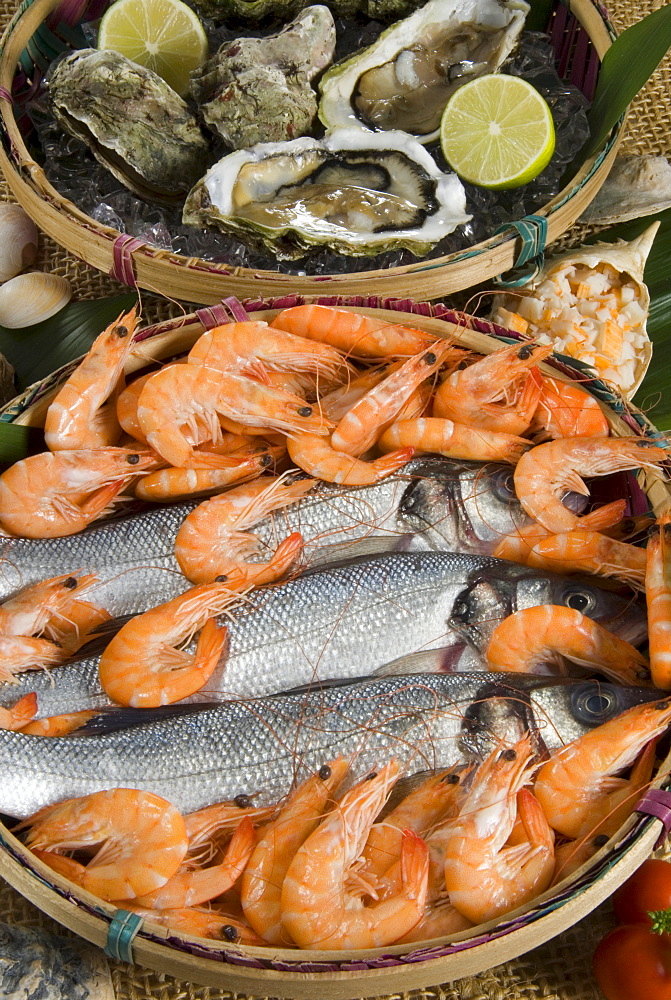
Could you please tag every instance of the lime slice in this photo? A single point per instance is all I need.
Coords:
(163, 35)
(497, 132)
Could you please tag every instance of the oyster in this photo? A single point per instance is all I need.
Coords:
(132, 121)
(403, 81)
(256, 10)
(636, 185)
(357, 192)
(592, 304)
(258, 89)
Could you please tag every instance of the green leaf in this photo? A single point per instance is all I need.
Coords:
(539, 15)
(37, 351)
(627, 66)
(16, 442)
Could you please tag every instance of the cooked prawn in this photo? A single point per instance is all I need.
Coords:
(59, 725)
(658, 597)
(549, 470)
(356, 335)
(516, 547)
(499, 392)
(189, 888)
(35, 607)
(213, 543)
(20, 714)
(320, 909)
(205, 825)
(261, 888)
(590, 552)
(51, 495)
(318, 458)
(83, 415)
(143, 667)
(336, 403)
(433, 434)
(363, 423)
(565, 410)
(201, 922)
(236, 467)
(178, 407)
(575, 787)
(531, 640)
(484, 877)
(142, 838)
(25, 652)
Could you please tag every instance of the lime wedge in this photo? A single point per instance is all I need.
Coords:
(497, 132)
(163, 35)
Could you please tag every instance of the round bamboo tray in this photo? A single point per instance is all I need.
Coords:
(581, 38)
(321, 974)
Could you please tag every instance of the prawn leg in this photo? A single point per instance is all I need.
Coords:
(658, 597)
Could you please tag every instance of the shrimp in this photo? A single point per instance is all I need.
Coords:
(142, 666)
(261, 889)
(32, 610)
(533, 638)
(484, 876)
(319, 459)
(254, 348)
(469, 395)
(565, 410)
(549, 470)
(20, 714)
(25, 652)
(79, 416)
(52, 495)
(179, 405)
(189, 888)
(590, 552)
(171, 483)
(201, 922)
(434, 434)
(320, 909)
(213, 543)
(517, 547)
(658, 598)
(59, 725)
(142, 836)
(336, 403)
(363, 423)
(576, 785)
(356, 335)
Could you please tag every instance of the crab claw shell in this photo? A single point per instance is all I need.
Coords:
(18, 240)
(628, 258)
(30, 298)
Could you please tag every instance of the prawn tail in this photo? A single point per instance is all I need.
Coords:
(414, 868)
(20, 714)
(282, 559)
(97, 505)
(62, 865)
(59, 725)
(240, 848)
(211, 645)
(603, 517)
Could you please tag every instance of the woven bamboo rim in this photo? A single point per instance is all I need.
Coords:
(196, 280)
(328, 974)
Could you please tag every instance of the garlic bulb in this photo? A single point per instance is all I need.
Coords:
(30, 298)
(18, 240)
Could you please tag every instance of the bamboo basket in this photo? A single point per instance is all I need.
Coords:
(36, 34)
(328, 974)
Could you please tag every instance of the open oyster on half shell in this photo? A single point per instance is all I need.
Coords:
(132, 120)
(359, 193)
(405, 78)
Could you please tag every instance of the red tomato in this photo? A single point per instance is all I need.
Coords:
(649, 888)
(632, 963)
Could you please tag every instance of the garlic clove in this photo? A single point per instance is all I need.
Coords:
(18, 240)
(30, 298)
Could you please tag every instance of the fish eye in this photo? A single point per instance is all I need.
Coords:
(593, 703)
(503, 486)
(579, 600)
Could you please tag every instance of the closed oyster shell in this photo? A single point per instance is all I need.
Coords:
(637, 185)
(258, 89)
(359, 193)
(405, 78)
(133, 122)
(256, 10)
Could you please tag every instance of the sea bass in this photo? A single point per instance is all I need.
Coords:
(432, 503)
(262, 746)
(352, 619)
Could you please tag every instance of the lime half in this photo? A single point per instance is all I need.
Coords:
(497, 132)
(163, 35)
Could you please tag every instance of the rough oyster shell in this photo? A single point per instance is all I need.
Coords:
(258, 89)
(404, 79)
(255, 10)
(636, 185)
(133, 122)
(357, 192)
(628, 260)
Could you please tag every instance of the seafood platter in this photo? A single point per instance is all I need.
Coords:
(306, 155)
(313, 589)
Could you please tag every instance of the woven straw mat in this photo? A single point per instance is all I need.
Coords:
(560, 969)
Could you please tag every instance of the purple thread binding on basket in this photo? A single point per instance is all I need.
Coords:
(5, 94)
(122, 265)
(236, 309)
(657, 802)
(213, 316)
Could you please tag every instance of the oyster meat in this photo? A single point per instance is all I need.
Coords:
(405, 78)
(132, 120)
(357, 192)
(258, 89)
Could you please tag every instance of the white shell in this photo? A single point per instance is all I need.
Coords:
(18, 240)
(30, 298)
(636, 185)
